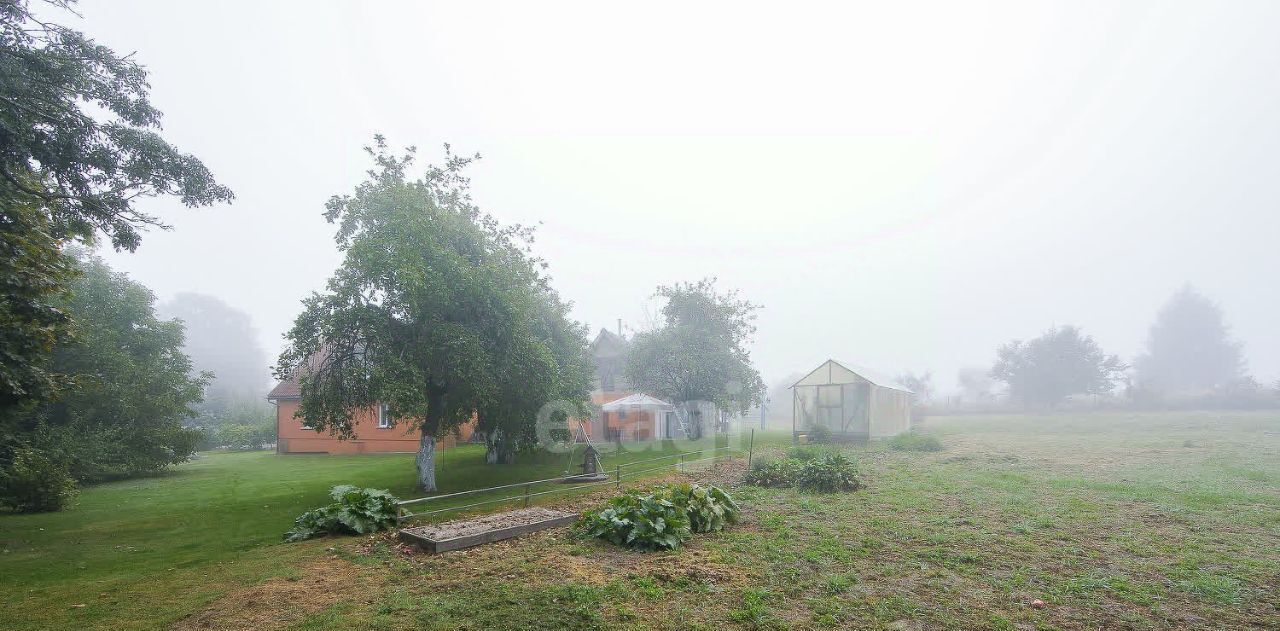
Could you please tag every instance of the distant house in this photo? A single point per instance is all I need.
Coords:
(851, 402)
(624, 414)
(373, 430)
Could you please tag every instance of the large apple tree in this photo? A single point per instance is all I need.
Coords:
(434, 312)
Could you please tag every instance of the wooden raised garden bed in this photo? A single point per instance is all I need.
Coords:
(464, 533)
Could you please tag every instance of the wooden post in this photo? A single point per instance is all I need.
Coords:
(526, 495)
(617, 474)
(751, 448)
(680, 467)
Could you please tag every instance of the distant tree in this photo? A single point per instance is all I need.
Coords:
(434, 311)
(921, 385)
(78, 146)
(1058, 364)
(975, 383)
(123, 413)
(699, 353)
(221, 339)
(1189, 348)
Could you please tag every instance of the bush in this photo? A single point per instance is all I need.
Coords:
(709, 509)
(641, 521)
(828, 473)
(237, 436)
(911, 441)
(34, 483)
(353, 511)
(661, 519)
(820, 434)
(773, 473)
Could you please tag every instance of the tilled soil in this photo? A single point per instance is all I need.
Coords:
(467, 527)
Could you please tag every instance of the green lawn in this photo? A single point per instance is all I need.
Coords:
(1114, 521)
(141, 553)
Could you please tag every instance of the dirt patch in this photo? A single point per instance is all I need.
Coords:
(282, 601)
(467, 527)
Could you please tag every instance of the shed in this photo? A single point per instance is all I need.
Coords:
(639, 417)
(854, 403)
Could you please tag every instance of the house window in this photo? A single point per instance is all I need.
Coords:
(622, 415)
(384, 417)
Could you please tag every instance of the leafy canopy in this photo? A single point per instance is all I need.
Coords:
(78, 147)
(1189, 347)
(438, 312)
(133, 387)
(1060, 363)
(700, 351)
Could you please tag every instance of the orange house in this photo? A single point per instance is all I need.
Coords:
(373, 430)
(624, 414)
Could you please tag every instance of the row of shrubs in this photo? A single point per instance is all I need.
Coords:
(663, 518)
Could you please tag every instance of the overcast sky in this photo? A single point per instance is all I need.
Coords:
(902, 185)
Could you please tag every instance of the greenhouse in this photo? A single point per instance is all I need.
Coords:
(851, 402)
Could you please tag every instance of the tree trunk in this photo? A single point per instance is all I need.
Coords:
(498, 451)
(426, 461)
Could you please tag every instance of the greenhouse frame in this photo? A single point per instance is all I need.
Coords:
(852, 402)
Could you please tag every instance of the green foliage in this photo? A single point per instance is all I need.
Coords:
(1058, 364)
(33, 274)
(805, 453)
(437, 311)
(650, 521)
(33, 483)
(811, 469)
(828, 473)
(700, 353)
(79, 148)
(123, 413)
(709, 508)
(354, 511)
(820, 434)
(244, 435)
(661, 519)
(773, 473)
(912, 441)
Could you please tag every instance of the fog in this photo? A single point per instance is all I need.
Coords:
(905, 186)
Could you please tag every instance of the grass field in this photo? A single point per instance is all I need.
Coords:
(142, 553)
(1113, 521)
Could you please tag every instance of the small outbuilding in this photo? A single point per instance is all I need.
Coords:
(639, 417)
(853, 403)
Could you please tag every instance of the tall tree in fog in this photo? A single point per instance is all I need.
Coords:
(78, 147)
(1056, 365)
(920, 384)
(975, 384)
(221, 340)
(1189, 347)
(435, 309)
(699, 353)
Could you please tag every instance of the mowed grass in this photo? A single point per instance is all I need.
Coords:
(142, 553)
(1130, 521)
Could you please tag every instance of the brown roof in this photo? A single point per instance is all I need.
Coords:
(287, 389)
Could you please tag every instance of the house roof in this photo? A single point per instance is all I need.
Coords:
(639, 399)
(608, 343)
(287, 389)
(875, 377)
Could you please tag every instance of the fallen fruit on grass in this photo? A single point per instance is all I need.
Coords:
(1037, 603)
